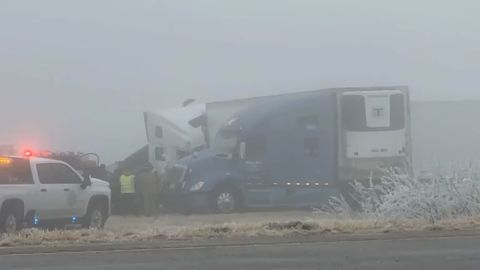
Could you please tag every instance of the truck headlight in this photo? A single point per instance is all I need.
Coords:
(197, 186)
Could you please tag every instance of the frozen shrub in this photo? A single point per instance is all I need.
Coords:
(399, 197)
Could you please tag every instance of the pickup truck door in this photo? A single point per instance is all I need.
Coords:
(77, 198)
(59, 190)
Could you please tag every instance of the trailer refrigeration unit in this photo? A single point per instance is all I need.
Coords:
(291, 150)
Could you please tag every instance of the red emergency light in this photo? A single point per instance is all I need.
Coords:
(28, 153)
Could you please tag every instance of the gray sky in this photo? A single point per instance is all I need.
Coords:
(77, 75)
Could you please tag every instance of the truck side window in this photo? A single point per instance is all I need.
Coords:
(311, 148)
(15, 173)
(55, 173)
(256, 147)
(181, 153)
(159, 132)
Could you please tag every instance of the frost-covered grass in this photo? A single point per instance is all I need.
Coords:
(399, 204)
(400, 197)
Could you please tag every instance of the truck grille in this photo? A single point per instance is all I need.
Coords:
(175, 175)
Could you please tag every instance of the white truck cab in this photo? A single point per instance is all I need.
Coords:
(41, 192)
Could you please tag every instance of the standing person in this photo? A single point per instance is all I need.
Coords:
(127, 193)
(161, 189)
(114, 180)
(148, 184)
(101, 172)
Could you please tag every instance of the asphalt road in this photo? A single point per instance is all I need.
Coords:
(420, 253)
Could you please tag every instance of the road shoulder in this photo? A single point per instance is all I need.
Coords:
(229, 242)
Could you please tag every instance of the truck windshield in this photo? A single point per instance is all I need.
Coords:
(15, 171)
(225, 142)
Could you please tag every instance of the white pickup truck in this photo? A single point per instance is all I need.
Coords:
(43, 192)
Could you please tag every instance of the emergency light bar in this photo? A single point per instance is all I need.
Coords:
(31, 153)
(4, 161)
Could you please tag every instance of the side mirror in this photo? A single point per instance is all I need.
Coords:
(86, 181)
(242, 150)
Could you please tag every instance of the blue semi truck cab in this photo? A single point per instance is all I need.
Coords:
(294, 150)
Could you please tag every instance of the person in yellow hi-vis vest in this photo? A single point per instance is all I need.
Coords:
(128, 195)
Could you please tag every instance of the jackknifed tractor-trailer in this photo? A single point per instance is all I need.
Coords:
(289, 150)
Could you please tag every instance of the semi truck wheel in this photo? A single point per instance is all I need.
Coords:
(10, 221)
(225, 200)
(95, 217)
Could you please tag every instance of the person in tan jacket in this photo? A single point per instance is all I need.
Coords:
(149, 189)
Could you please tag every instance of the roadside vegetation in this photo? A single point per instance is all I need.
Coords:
(400, 198)
(399, 204)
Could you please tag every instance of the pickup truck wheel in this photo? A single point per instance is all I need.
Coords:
(95, 217)
(10, 222)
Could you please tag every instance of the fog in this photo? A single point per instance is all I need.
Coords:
(78, 75)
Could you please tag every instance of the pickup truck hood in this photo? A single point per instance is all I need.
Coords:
(99, 183)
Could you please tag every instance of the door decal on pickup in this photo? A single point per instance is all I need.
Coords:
(71, 198)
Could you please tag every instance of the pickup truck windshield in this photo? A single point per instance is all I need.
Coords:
(15, 171)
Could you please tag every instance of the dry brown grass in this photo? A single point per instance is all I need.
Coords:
(319, 225)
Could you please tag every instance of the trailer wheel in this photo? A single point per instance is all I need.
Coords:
(226, 200)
